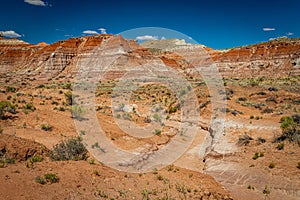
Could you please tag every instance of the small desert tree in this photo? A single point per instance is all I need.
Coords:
(290, 126)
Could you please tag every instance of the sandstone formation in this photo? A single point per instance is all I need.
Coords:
(279, 57)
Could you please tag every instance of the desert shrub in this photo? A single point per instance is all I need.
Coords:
(157, 132)
(77, 112)
(60, 108)
(6, 106)
(69, 98)
(233, 112)
(280, 146)
(261, 140)
(127, 116)
(255, 156)
(40, 180)
(244, 140)
(40, 86)
(46, 127)
(10, 89)
(261, 93)
(290, 126)
(271, 99)
(71, 149)
(52, 178)
(204, 104)
(92, 161)
(34, 159)
(271, 165)
(267, 110)
(67, 86)
(266, 192)
(172, 109)
(273, 89)
(242, 99)
(55, 103)
(30, 107)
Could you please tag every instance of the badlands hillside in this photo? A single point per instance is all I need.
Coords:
(45, 146)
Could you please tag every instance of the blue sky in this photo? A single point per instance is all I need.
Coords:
(216, 23)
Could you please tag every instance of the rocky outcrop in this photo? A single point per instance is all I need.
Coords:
(280, 57)
(277, 58)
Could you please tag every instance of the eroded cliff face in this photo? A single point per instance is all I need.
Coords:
(277, 58)
(45, 60)
(280, 57)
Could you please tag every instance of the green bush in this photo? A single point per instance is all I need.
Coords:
(46, 127)
(290, 126)
(244, 140)
(69, 98)
(77, 112)
(157, 132)
(36, 159)
(280, 146)
(30, 107)
(271, 165)
(71, 149)
(255, 156)
(6, 106)
(40, 180)
(10, 89)
(52, 178)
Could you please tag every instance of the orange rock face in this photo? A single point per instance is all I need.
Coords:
(271, 59)
(280, 57)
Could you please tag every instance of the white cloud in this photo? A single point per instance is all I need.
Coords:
(289, 34)
(90, 32)
(35, 2)
(11, 34)
(103, 30)
(269, 29)
(146, 37)
(281, 37)
(163, 38)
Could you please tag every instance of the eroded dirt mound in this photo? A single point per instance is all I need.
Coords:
(19, 149)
